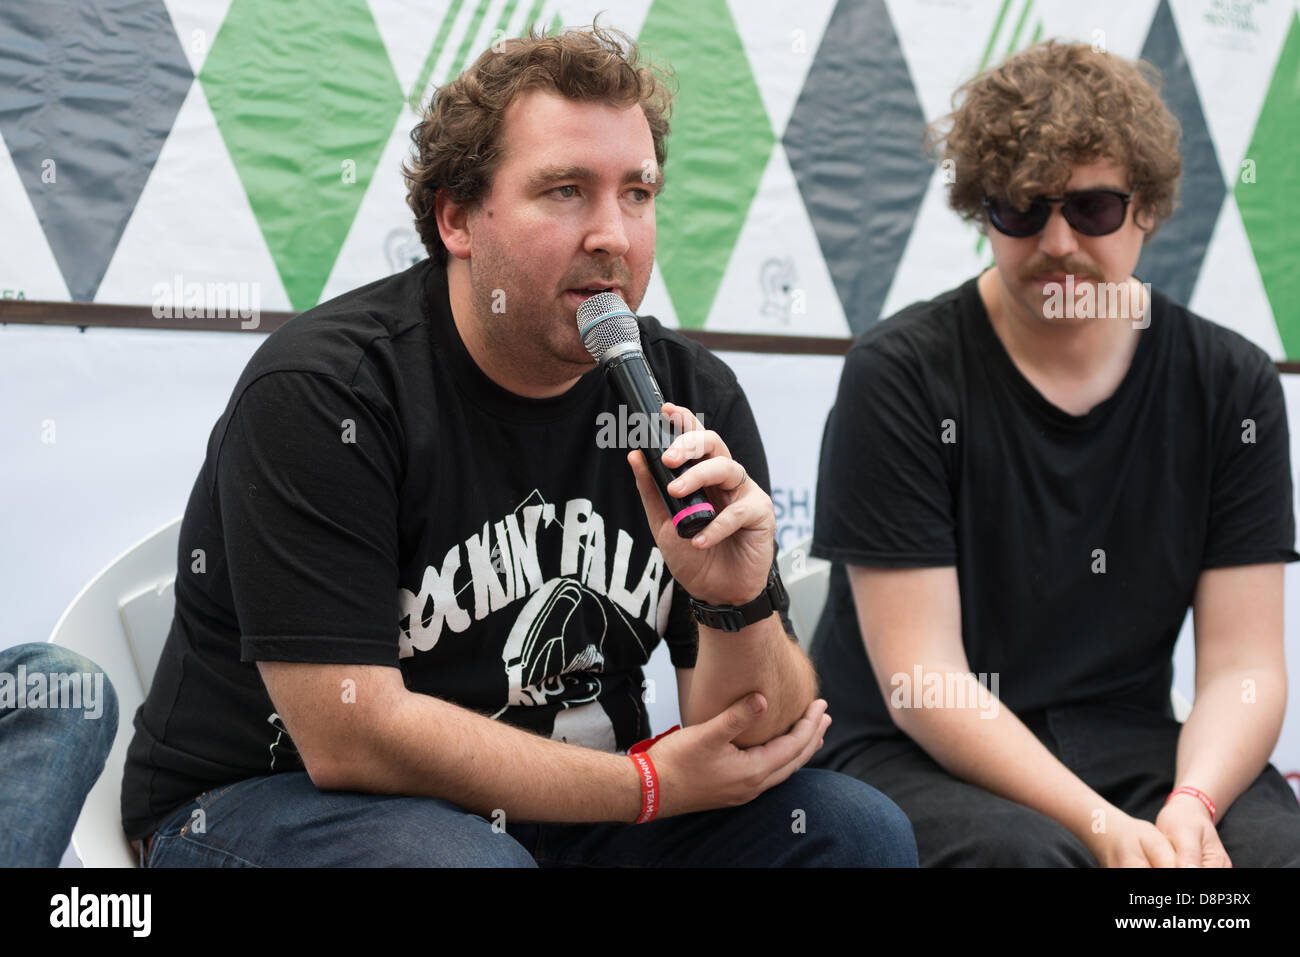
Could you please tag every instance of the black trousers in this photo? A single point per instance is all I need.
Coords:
(1125, 755)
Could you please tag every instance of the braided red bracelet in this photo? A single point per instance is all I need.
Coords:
(1196, 793)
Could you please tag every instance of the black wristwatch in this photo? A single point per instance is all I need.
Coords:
(735, 617)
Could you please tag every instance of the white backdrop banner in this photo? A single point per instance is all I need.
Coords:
(104, 433)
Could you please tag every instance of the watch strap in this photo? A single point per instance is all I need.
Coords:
(732, 618)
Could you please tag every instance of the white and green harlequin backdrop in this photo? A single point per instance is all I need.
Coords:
(255, 142)
(149, 142)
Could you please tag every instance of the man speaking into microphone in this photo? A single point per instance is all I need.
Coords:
(428, 593)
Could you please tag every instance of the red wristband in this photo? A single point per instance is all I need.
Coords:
(649, 777)
(645, 745)
(1198, 794)
(649, 786)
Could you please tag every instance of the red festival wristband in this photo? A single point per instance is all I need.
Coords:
(641, 746)
(649, 787)
(1199, 795)
(649, 777)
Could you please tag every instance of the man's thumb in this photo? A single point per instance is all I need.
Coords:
(732, 722)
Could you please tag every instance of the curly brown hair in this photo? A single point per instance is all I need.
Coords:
(1021, 125)
(457, 144)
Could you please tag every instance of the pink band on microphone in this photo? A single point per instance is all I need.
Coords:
(690, 511)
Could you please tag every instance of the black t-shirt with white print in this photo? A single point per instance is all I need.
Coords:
(370, 497)
(1078, 540)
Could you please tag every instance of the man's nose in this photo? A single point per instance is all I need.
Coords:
(1057, 239)
(606, 232)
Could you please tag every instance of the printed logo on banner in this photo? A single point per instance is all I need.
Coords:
(1232, 17)
(794, 515)
(403, 249)
(778, 279)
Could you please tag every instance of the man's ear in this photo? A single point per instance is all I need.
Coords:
(453, 225)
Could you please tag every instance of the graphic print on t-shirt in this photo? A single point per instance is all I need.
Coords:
(558, 608)
(552, 652)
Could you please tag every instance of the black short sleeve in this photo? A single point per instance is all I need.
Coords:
(306, 484)
(1251, 515)
(883, 493)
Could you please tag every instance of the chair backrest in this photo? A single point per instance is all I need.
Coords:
(807, 580)
(120, 621)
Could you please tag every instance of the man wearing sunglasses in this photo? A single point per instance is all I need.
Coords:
(1026, 482)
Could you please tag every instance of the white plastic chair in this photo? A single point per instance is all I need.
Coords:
(807, 579)
(120, 621)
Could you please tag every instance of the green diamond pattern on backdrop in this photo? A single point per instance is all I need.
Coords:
(1009, 29)
(305, 170)
(466, 53)
(720, 143)
(299, 89)
(1270, 206)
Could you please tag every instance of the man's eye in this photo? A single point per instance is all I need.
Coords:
(642, 195)
(565, 192)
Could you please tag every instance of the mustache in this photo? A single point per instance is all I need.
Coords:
(1064, 267)
(585, 278)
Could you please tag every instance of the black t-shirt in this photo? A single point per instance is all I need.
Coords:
(370, 497)
(1077, 540)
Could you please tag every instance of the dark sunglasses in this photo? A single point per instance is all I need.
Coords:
(1092, 212)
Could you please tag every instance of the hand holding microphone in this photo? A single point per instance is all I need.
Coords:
(609, 331)
(721, 556)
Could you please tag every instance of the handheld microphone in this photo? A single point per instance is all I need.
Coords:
(609, 331)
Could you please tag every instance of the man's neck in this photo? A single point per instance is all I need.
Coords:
(1075, 366)
(508, 368)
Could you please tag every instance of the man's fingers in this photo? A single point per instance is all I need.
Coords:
(693, 440)
(785, 748)
(725, 524)
(802, 758)
(692, 446)
(1214, 853)
(1188, 851)
(681, 417)
(731, 723)
(726, 475)
(1158, 849)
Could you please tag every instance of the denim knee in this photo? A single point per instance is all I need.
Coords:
(94, 693)
(859, 826)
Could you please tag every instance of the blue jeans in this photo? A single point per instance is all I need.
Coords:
(813, 819)
(52, 753)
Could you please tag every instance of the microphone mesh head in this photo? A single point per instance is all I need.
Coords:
(605, 321)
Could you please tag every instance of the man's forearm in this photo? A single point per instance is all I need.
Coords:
(762, 658)
(426, 746)
(1230, 733)
(1003, 756)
